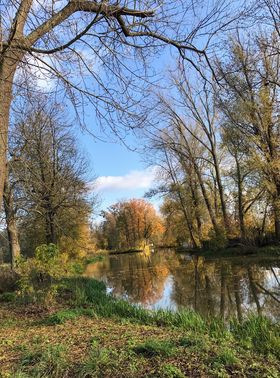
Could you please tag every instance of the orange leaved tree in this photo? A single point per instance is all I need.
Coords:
(130, 224)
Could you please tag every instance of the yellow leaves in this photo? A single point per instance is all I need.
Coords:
(132, 223)
(79, 246)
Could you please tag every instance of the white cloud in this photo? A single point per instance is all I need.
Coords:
(133, 180)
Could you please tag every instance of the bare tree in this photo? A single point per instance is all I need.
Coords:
(195, 105)
(97, 49)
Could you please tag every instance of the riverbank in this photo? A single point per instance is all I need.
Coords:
(238, 251)
(91, 334)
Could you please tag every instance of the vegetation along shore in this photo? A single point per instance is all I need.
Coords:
(58, 323)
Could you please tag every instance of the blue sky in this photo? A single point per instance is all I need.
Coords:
(120, 171)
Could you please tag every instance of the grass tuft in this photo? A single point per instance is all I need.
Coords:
(62, 316)
(8, 297)
(171, 371)
(153, 348)
(259, 333)
(226, 357)
(47, 361)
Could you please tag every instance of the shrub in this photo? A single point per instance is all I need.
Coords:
(8, 279)
(216, 240)
(39, 274)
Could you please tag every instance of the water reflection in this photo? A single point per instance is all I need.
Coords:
(221, 287)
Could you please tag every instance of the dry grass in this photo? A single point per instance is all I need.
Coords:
(22, 332)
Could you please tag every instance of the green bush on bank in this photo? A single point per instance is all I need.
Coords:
(40, 278)
(39, 275)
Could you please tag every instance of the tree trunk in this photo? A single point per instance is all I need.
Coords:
(14, 246)
(8, 65)
(221, 192)
(207, 200)
(240, 201)
(276, 208)
(195, 199)
(50, 228)
(187, 217)
(182, 202)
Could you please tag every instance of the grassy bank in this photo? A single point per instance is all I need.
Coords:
(91, 334)
(268, 251)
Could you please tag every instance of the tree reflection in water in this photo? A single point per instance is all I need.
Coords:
(216, 287)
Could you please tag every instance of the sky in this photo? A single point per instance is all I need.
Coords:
(120, 172)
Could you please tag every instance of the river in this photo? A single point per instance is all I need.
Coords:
(223, 287)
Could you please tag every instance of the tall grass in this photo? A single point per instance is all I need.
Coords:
(89, 292)
(258, 333)
(89, 297)
(41, 361)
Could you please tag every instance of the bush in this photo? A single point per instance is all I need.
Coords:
(216, 241)
(38, 275)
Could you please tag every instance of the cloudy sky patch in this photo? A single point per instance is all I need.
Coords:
(136, 179)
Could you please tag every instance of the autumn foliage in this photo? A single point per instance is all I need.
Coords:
(129, 225)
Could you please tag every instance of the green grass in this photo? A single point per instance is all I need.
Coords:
(97, 361)
(171, 371)
(48, 361)
(225, 357)
(8, 297)
(62, 316)
(89, 298)
(195, 342)
(259, 334)
(103, 361)
(89, 292)
(153, 348)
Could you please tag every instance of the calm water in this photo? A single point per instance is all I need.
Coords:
(165, 279)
